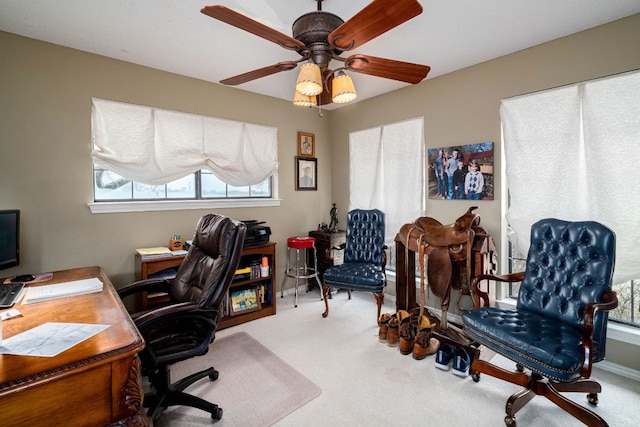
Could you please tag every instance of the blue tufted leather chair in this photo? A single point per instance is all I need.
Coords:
(364, 258)
(559, 327)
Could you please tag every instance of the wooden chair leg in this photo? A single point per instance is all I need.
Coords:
(325, 289)
(379, 300)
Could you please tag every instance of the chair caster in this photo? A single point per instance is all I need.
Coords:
(217, 414)
(214, 376)
(592, 398)
(475, 376)
(510, 421)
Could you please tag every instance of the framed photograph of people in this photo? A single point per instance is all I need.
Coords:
(306, 174)
(306, 144)
(244, 301)
(463, 172)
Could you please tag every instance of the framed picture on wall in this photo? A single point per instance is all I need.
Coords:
(306, 144)
(463, 172)
(306, 174)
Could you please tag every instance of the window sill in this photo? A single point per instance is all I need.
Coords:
(174, 205)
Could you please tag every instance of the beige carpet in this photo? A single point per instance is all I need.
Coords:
(255, 387)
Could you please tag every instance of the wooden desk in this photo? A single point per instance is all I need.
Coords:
(95, 383)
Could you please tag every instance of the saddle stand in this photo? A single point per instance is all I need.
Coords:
(451, 264)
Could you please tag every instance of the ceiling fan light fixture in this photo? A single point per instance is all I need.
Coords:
(309, 80)
(343, 89)
(304, 100)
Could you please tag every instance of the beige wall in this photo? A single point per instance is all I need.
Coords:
(463, 108)
(45, 141)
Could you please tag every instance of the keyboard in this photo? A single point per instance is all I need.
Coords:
(9, 294)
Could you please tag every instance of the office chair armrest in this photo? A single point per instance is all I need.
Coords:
(609, 302)
(484, 296)
(148, 285)
(173, 312)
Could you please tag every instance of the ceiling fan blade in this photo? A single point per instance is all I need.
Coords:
(378, 17)
(261, 72)
(387, 68)
(238, 20)
(326, 96)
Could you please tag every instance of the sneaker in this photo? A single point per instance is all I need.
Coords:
(461, 363)
(444, 355)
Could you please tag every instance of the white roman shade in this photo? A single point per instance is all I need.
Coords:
(155, 146)
(573, 153)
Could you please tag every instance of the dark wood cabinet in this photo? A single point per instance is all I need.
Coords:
(324, 242)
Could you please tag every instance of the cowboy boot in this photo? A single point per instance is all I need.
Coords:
(425, 345)
(383, 327)
(405, 331)
(392, 331)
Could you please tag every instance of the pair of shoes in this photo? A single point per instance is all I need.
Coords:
(424, 345)
(461, 363)
(393, 339)
(444, 356)
(406, 332)
(461, 360)
(383, 327)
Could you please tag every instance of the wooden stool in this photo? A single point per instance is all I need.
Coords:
(298, 246)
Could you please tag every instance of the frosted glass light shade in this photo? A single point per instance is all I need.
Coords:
(304, 100)
(309, 80)
(343, 89)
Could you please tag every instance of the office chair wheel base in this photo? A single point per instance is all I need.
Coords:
(592, 398)
(214, 376)
(217, 414)
(475, 376)
(510, 421)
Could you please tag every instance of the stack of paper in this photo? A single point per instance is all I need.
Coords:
(62, 290)
(151, 253)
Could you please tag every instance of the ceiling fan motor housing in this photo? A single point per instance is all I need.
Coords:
(312, 29)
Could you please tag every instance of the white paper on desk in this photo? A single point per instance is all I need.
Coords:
(49, 339)
(62, 290)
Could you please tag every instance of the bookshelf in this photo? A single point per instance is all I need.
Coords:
(265, 287)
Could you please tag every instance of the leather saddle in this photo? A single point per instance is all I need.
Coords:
(445, 246)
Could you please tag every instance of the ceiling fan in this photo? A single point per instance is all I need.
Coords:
(320, 37)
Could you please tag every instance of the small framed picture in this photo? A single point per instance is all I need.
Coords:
(245, 301)
(306, 174)
(306, 144)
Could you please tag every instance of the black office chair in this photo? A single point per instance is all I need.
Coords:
(364, 258)
(559, 327)
(185, 327)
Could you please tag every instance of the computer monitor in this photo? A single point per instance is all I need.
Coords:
(9, 238)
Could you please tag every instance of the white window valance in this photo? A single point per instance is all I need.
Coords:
(155, 146)
(573, 153)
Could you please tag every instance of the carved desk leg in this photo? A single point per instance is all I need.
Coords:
(132, 397)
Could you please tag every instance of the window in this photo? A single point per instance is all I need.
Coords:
(201, 185)
(572, 153)
(149, 154)
(387, 173)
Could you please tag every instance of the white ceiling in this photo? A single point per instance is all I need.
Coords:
(172, 35)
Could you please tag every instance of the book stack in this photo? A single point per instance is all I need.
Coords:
(153, 253)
